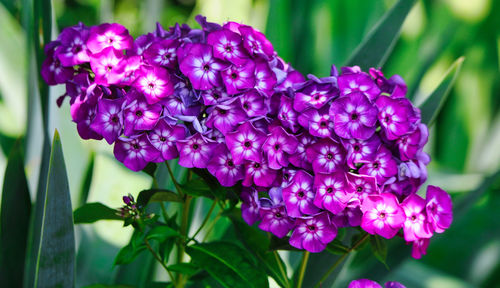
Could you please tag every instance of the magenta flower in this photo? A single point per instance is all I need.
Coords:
(164, 136)
(313, 233)
(265, 78)
(275, 220)
(245, 143)
(382, 167)
(238, 78)
(315, 96)
(419, 247)
(162, 53)
(364, 283)
(410, 144)
(287, 115)
(108, 66)
(415, 225)
(253, 103)
(397, 117)
(108, 120)
(73, 50)
(354, 116)
(250, 205)
(53, 72)
(255, 42)
(202, 69)
(138, 115)
(439, 208)
(84, 115)
(109, 35)
(154, 83)
(228, 46)
(326, 156)
(362, 186)
(195, 151)
(358, 82)
(225, 117)
(299, 195)
(382, 215)
(278, 146)
(135, 153)
(319, 125)
(259, 174)
(223, 168)
(359, 151)
(217, 95)
(299, 158)
(332, 191)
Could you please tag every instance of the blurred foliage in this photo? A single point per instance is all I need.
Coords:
(311, 35)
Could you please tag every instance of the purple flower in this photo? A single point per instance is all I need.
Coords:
(299, 158)
(265, 79)
(314, 95)
(164, 136)
(195, 151)
(397, 116)
(358, 82)
(287, 115)
(141, 43)
(237, 78)
(245, 143)
(201, 67)
(326, 156)
(278, 146)
(73, 50)
(259, 174)
(162, 53)
(176, 107)
(138, 115)
(359, 151)
(382, 167)
(382, 215)
(362, 186)
(109, 35)
(318, 125)
(225, 117)
(108, 66)
(223, 168)
(275, 220)
(255, 42)
(253, 104)
(332, 192)
(410, 144)
(214, 96)
(136, 152)
(299, 195)
(52, 71)
(313, 233)
(439, 208)
(154, 83)
(108, 120)
(419, 247)
(84, 115)
(354, 116)
(415, 225)
(227, 45)
(250, 205)
(364, 283)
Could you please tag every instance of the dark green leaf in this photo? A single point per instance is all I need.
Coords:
(156, 195)
(56, 256)
(87, 180)
(15, 219)
(92, 212)
(431, 107)
(184, 268)
(336, 247)
(378, 44)
(107, 286)
(229, 264)
(198, 187)
(150, 169)
(128, 253)
(161, 233)
(379, 248)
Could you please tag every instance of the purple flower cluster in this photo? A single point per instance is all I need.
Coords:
(340, 151)
(366, 283)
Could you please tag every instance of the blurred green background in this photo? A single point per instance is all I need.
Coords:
(311, 35)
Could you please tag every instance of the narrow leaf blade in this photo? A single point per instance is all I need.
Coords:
(378, 44)
(431, 107)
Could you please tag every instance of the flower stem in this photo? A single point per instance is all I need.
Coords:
(158, 258)
(282, 269)
(183, 230)
(212, 225)
(204, 220)
(356, 245)
(176, 184)
(302, 269)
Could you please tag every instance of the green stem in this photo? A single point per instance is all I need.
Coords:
(204, 220)
(176, 184)
(356, 245)
(212, 225)
(164, 211)
(282, 269)
(183, 230)
(158, 258)
(302, 269)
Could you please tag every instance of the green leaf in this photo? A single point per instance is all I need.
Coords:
(15, 219)
(184, 268)
(87, 180)
(336, 247)
(379, 248)
(431, 107)
(107, 286)
(55, 260)
(229, 264)
(156, 195)
(197, 187)
(378, 44)
(161, 233)
(92, 212)
(128, 253)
